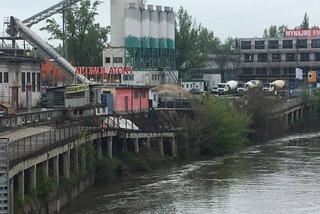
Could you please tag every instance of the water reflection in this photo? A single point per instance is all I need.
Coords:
(280, 177)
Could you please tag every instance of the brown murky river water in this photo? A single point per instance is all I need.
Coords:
(278, 177)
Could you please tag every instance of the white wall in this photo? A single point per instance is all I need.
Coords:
(192, 84)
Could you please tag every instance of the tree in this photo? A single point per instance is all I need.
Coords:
(305, 23)
(275, 31)
(222, 129)
(85, 39)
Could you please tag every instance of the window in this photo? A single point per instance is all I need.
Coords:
(23, 81)
(276, 57)
(275, 71)
(287, 44)
(317, 56)
(302, 43)
(28, 77)
(259, 45)
(0, 77)
(273, 44)
(5, 77)
(290, 57)
(108, 60)
(117, 60)
(38, 82)
(245, 45)
(128, 77)
(261, 71)
(136, 95)
(304, 57)
(315, 43)
(247, 71)
(262, 57)
(248, 57)
(33, 81)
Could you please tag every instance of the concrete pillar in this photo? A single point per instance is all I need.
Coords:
(302, 113)
(45, 168)
(292, 117)
(124, 145)
(110, 147)
(148, 143)
(21, 185)
(99, 149)
(161, 147)
(66, 164)
(297, 115)
(11, 196)
(33, 177)
(136, 145)
(56, 175)
(173, 147)
(83, 159)
(287, 120)
(76, 160)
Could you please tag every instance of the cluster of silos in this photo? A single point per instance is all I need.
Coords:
(149, 35)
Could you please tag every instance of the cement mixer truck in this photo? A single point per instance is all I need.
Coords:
(277, 86)
(252, 84)
(227, 88)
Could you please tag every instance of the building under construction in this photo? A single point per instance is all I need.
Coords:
(269, 59)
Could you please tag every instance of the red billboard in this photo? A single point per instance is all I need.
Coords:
(302, 33)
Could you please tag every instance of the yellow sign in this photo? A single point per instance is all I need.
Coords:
(76, 89)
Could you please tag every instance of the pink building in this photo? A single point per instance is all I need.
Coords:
(131, 99)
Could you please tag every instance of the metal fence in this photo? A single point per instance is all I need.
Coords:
(27, 146)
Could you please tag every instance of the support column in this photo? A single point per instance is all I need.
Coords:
(76, 160)
(124, 145)
(161, 147)
(21, 185)
(173, 147)
(33, 177)
(110, 147)
(66, 164)
(56, 175)
(287, 120)
(45, 168)
(292, 117)
(83, 159)
(136, 145)
(99, 149)
(297, 115)
(302, 113)
(148, 143)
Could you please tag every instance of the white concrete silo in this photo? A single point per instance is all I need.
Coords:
(117, 13)
(170, 28)
(145, 27)
(132, 26)
(162, 28)
(154, 29)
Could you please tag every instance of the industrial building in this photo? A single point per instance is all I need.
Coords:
(142, 37)
(269, 59)
(20, 83)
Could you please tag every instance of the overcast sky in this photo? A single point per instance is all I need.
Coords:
(236, 18)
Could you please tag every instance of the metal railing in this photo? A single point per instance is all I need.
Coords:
(28, 146)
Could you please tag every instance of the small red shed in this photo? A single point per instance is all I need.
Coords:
(131, 98)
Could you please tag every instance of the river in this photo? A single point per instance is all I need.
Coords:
(278, 177)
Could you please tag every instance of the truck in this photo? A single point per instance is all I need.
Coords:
(277, 86)
(241, 88)
(252, 84)
(227, 88)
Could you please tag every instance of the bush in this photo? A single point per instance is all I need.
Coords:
(222, 129)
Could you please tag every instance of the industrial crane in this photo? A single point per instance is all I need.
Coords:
(23, 27)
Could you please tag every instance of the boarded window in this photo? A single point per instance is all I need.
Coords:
(23, 81)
